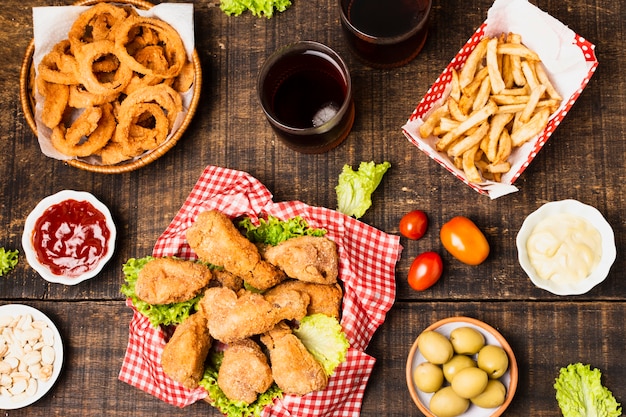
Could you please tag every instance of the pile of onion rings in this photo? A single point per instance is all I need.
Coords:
(113, 88)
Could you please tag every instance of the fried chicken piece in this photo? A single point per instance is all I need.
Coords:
(294, 368)
(171, 280)
(325, 298)
(215, 239)
(185, 353)
(233, 316)
(244, 372)
(224, 278)
(307, 258)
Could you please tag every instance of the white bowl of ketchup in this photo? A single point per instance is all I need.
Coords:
(69, 237)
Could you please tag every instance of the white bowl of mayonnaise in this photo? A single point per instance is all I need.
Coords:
(566, 247)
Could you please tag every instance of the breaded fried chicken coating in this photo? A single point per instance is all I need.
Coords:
(171, 280)
(294, 369)
(307, 258)
(185, 353)
(325, 299)
(223, 278)
(232, 316)
(215, 239)
(244, 372)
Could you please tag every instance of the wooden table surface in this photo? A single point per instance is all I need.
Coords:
(584, 160)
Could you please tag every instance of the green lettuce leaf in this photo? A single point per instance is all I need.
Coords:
(164, 314)
(8, 260)
(355, 188)
(272, 231)
(580, 393)
(257, 7)
(324, 338)
(230, 408)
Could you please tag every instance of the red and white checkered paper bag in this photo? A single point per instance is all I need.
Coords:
(367, 269)
(568, 58)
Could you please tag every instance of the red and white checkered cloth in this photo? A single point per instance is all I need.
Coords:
(368, 258)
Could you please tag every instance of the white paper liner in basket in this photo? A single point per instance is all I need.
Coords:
(569, 61)
(51, 25)
(367, 270)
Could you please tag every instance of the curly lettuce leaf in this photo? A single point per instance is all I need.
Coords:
(323, 336)
(272, 231)
(258, 8)
(355, 188)
(580, 393)
(230, 408)
(8, 260)
(164, 314)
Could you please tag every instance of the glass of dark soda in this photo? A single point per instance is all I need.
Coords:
(305, 91)
(385, 33)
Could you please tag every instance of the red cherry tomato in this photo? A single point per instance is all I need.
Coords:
(413, 225)
(425, 271)
(464, 240)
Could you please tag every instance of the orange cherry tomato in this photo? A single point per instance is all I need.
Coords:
(464, 240)
(413, 225)
(425, 271)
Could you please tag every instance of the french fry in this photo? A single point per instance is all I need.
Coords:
(471, 64)
(497, 83)
(469, 141)
(483, 94)
(532, 103)
(519, 91)
(469, 166)
(542, 77)
(517, 49)
(429, 124)
(514, 108)
(499, 167)
(446, 124)
(500, 99)
(455, 91)
(455, 110)
(529, 74)
(504, 146)
(498, 122)
(504, 99)
(535, 125)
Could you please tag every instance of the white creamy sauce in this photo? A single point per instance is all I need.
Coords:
(564, 248)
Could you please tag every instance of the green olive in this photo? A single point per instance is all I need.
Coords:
(469, 382)
(435, 347)
(493, 396)
(493, 360)
(454, 365)
(428, 377)
(446, 403)
(466, 340)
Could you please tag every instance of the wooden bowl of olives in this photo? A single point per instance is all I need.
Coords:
(461, 366)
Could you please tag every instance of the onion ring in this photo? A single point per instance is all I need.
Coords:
(59, 65)
(91, 53)
(174, 49)
(162, 94)
(137, 138)
(95, 24)
(93, 142)
(55, 103)
(80, 98)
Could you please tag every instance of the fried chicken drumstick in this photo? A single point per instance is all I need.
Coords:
(215, 239)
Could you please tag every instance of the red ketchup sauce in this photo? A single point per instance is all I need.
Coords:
(71, 237)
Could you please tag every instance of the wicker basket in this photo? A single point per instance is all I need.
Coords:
(27, 98)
